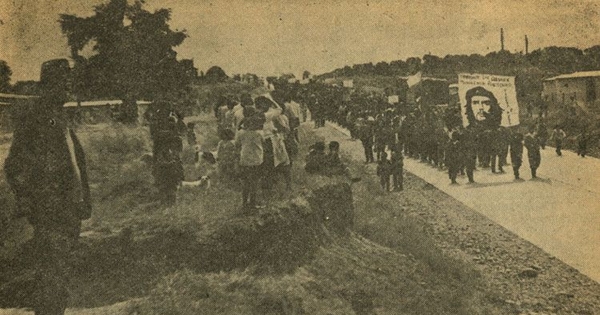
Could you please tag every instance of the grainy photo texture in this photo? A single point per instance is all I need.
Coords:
(299, 157)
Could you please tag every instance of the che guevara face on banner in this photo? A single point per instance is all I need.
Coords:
(482, 109)
(488, 101)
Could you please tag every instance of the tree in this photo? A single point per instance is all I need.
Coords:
(134, 56)
(5, 74)
(414, 65)
(305, 75)
(215, 74)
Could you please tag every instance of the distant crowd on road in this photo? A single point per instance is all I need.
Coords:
(434, 134)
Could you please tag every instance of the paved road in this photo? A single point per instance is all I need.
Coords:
(559, 213)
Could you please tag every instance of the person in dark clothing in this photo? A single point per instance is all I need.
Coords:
(516, 153)
(364, 130)
(498, 145)
(558, 135)
(168, 174)
(397, 170)
(315, 161)
(333, 164)
(582, 143)
(384, 171)
(468, 141)
(532, 144)
(542, 134)
(46, 170)
(453, 155)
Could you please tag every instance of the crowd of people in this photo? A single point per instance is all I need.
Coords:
(259, 138)
(432, 134)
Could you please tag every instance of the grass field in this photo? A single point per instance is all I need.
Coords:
(206, 256)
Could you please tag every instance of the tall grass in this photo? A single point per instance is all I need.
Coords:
(119, 179)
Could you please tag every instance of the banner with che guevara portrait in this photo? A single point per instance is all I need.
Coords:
(488, 100)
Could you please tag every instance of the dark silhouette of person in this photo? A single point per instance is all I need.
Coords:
(46, 170)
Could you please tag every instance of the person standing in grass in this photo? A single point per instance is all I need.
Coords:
(191, 134)
(46, 170)
(384, 171)
(250, 141)
(168, 174)
(227, 154)
(397, 170)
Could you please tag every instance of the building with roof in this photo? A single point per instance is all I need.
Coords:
(89, 112)
(576, 89)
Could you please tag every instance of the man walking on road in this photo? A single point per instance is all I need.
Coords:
(516, 153)
(533, 151)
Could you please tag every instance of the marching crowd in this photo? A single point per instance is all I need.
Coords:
(259, 138)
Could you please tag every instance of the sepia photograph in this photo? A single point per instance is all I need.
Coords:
(266, 157)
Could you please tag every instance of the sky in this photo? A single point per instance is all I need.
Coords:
(274, 37)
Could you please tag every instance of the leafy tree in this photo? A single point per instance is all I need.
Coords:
(27, 87)
(5, 74)
(305, 75)
(414, 65)
(215, 74)
(382, 68)
(134, 56)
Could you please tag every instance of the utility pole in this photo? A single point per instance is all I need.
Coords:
(526, 45)
(501, 39)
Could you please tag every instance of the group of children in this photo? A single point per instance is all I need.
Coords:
(390, 171)
(320, 162)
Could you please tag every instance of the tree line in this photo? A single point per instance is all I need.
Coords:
(530, 69)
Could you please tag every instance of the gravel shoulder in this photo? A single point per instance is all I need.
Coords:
(525, 279)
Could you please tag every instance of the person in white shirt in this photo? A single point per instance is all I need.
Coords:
(238, 113)
(292, 111)
(276, 155)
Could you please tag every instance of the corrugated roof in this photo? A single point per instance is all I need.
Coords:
(582, 74)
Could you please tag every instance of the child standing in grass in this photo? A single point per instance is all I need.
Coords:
(384, 171)
(250, 142)
(397, 167)
(227, 154)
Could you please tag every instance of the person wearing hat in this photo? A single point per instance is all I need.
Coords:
(46, 170)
